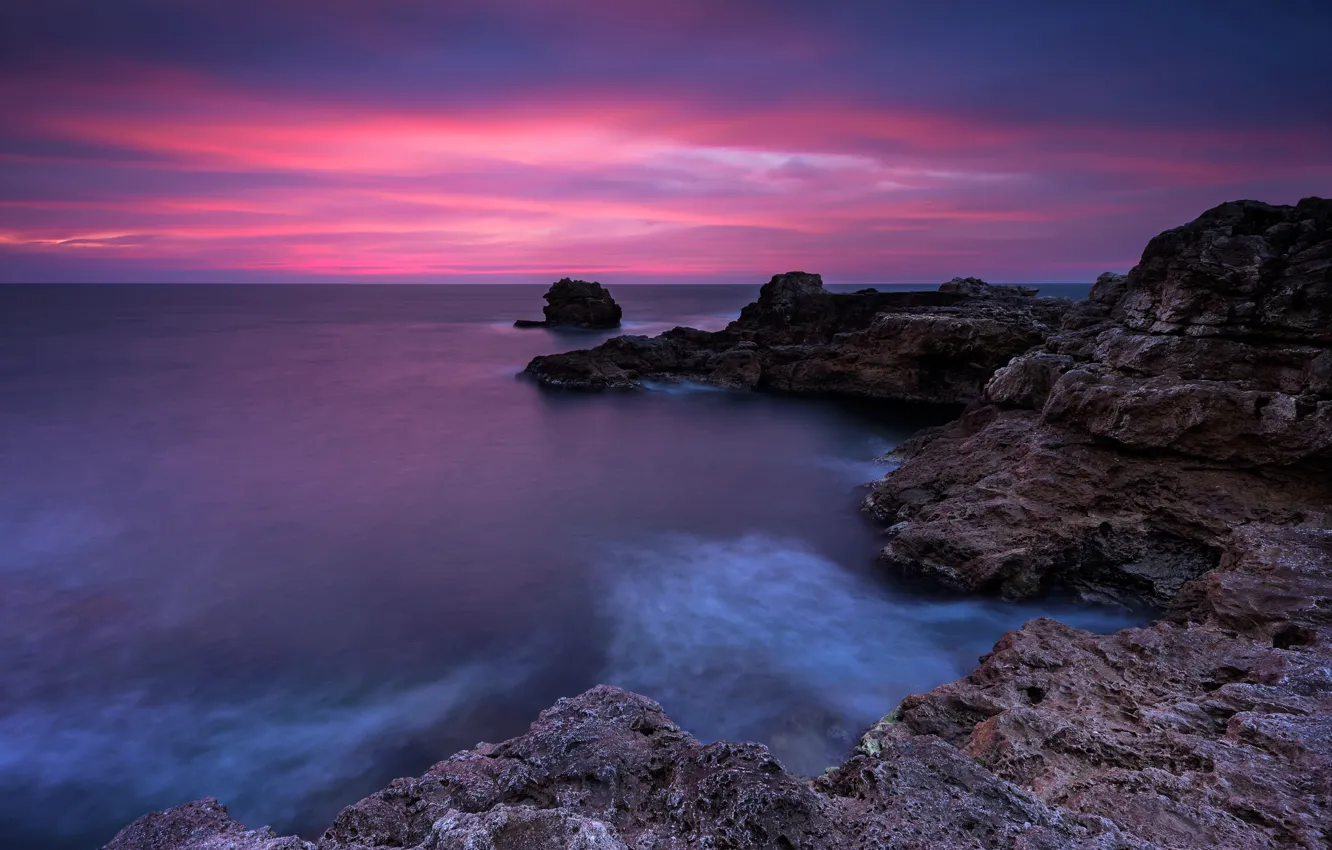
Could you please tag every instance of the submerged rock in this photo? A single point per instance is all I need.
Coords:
(578, 304)
(938, 347)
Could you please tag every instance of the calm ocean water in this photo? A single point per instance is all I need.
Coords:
(281, 544)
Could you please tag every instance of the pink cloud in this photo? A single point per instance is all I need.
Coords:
(593, 184)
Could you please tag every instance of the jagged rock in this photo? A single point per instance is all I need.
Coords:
(1172, 444)
(937, 347)
(609, 770)
(1211, 731)
(579, 304)
(522, 828)
(1027, 380)
(200, 825)
(1184, 400)
(1243, 270)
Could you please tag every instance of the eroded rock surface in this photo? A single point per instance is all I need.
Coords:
(608, 770)
(936, 347)
(577, 304)
(199, 825)
(1172, 444)
(1211, 729)
(1184, 400)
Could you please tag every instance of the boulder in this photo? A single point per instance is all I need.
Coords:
(577, 304)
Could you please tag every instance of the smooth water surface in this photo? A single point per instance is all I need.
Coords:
(281, 544)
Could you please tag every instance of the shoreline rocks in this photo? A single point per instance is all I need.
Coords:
(1168, 445)
(1212, 728)
(608, 770)
(1171, 444)
(1186, 399)
(576, 304)
(932, 347)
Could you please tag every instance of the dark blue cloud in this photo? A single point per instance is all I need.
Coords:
(1220, 63)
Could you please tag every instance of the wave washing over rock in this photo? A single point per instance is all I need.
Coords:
(1170, 444)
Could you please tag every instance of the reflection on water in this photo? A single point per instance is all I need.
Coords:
(280, 544)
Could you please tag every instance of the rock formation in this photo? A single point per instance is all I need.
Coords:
(1189, 398)
(938, 347)
(608, 770)
(1212, 729)
(577, 304)
(1170, 445)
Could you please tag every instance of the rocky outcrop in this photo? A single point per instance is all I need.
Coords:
(200, 825)
(1212, 729)
(937, 347)
(608, 770)
(1178, 403)
(577, 304)
(1170, 445)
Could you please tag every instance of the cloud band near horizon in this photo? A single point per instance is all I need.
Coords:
(521, 141)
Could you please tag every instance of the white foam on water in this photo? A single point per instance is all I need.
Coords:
(763, 639)
(682, 387)
(266, 757)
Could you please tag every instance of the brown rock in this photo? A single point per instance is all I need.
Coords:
(1214, 730)
(1182, 455)
(609, 770)
(1174, 406)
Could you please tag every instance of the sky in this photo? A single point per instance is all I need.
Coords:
(692, 141)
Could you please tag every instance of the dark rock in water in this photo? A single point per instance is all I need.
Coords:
(608, 770)
(577, 304)
(938, 347)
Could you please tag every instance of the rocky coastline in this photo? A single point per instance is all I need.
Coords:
(1167, 442)
(931, 347)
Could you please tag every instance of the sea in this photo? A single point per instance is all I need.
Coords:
(279, 544)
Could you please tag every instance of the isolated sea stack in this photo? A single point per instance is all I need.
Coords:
(576, 304)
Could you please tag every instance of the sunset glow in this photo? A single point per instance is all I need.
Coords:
(391, 153)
